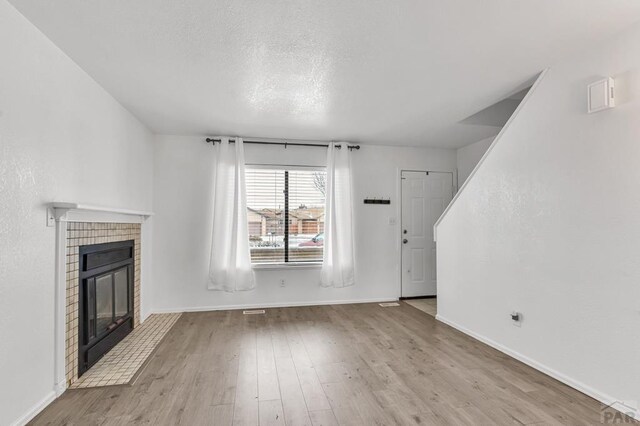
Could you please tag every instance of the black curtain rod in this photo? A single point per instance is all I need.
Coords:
(285, 144)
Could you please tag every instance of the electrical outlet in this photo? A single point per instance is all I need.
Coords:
(392, 221)
(282, 283)
(516, 318)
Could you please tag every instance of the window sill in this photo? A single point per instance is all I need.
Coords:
(291, 265)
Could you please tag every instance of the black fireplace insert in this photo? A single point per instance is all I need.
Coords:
(105, 299)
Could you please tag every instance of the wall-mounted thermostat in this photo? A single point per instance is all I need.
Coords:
(600, 95)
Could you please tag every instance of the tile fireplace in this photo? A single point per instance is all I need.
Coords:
(102, 267)
(78, 225)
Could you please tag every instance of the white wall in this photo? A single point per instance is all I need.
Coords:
(182, 225)
(62, 137)
(550, 226)
(468, 156)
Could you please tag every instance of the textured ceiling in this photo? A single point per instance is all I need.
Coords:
(402, 72)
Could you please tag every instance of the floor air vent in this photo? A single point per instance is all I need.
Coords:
(254, 312)
(388, 304)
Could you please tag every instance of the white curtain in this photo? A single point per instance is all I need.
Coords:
(338, 260)
(230, 264)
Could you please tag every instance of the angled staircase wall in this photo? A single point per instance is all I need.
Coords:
(548, 225)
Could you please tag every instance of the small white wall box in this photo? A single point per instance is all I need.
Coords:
(600, 95)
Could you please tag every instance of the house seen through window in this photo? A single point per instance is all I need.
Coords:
(279, 196)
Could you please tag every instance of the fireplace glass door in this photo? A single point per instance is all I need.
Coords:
(107, 302)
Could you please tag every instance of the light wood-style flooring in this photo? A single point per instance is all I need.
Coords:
(325, 365)
(428, 305)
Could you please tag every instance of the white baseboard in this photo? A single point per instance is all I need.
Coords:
(269, 305)
(587, 390)
(59, 388)
(35, 410)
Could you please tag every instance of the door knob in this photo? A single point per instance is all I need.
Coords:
(405, 241)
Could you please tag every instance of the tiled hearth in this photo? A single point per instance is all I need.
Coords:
(87, 233)
(120, 365)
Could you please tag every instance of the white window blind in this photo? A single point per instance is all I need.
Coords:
(276, 196)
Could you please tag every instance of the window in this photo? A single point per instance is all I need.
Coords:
(276, 196)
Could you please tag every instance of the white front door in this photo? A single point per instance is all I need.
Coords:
(425, 195)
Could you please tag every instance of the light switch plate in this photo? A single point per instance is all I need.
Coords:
(51, 217)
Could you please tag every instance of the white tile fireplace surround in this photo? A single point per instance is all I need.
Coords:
(83, 234)
(81, 225)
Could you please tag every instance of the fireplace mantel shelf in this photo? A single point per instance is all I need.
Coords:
(75, 212)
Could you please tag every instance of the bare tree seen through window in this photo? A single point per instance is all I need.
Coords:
(320, 182)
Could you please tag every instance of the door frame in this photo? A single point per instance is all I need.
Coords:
(454, 180)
